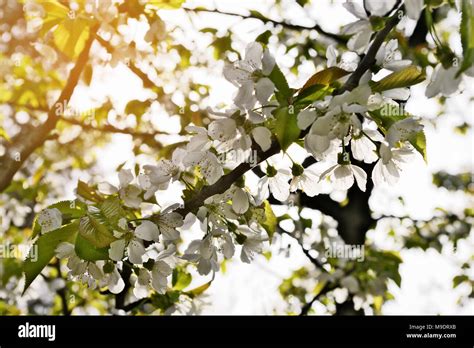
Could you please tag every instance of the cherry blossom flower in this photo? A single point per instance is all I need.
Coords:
(250, 76)
(363, 147)
(347, 61)
(443, 81)
(390, 58)
(128, 192)
(341, 114)
(50, 220)
(275, 181)
(414, 8)
(208, 164)
(388, 168)
(204, 253)
(306, 180)
(167, 224)
(342, 175)
(253, 243)
(263, 137)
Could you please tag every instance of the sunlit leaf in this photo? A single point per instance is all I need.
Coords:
(44, 250)
(406, 77)
(286, 127)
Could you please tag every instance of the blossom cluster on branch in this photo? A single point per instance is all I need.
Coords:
(339, 120)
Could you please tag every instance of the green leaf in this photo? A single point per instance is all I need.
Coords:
(181, 279)
(87, 251)
(390, 114)
(258, 15)
(264, 37)
(199, 290)
(43, 250)
(221, 45)
(112, 210)
(311, 94)
(71, 35)
(270, 221)
(286, 126)
(406, 77)
(93, 229)
(325, 77)
(55, 14)
(279, 80)
(459, 280)
(419, 143)
(467, 35)
(3, 134)
(9, 267)
(165, 4)
(87, 192)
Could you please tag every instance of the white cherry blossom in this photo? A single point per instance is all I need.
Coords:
(342, 176)
(275, 181)
(389, 57)
(50, 220)
(250, 76)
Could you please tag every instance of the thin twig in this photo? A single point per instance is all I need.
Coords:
(338, 38)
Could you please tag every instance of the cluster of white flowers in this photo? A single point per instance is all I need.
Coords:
(338, 129)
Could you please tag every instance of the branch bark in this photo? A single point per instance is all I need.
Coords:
(30, 138)
(338, 38)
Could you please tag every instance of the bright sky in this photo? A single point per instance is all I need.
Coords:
(252, 289)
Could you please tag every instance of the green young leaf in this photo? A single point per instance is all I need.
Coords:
(93, 228)
(9, 267)
(325, 77)
(457, 280)
(258, 15)
(44, 250)
(269, 223)
(406, 77)
(199, 290)
(311, 94)
(419, 143)
(112, 210)
(3, 134)
(137, 107)
(165, 4)
(55, 14)
(390, 114)
(181, 279)
(87, 192)
(279, 80)
(87, 251)
(467, 35)
(71, 35)
(264, 37)
(286, 126)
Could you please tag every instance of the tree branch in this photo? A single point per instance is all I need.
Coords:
(369, 59)
(338, 38)
(227, 180)
(30, 138)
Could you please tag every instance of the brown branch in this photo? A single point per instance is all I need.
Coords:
(338, 38)
(147, 82)
(106, 128)
(30, 138)
(306, 308)
(369, 59)
(227, 180)
(313, 260)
